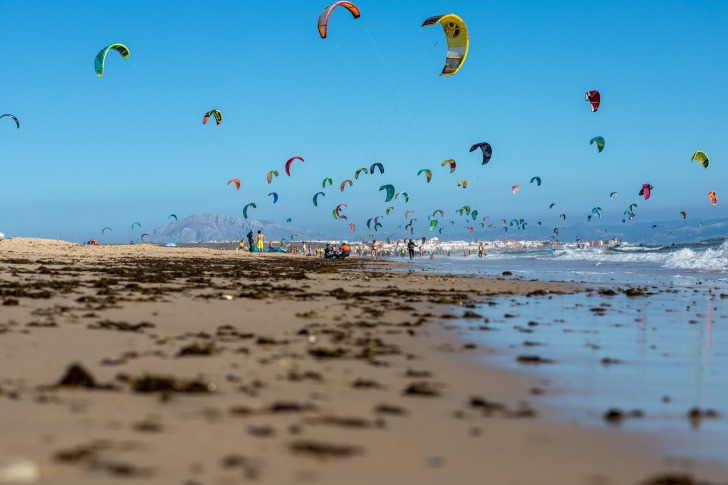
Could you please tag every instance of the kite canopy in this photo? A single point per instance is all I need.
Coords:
(315, 198)
(375, 165)
(457, 41)
(237, 183)
(390, 191)
(701, 158)
(17, 123)
(594, 98)
(216, 113)
(275, 196)
(343, 184)
(515, 189)
(101, 56)
(360, 170)
(463, 183)
(684, 214)
(486, 149)
(537, 179)
(645, 192)
(713, 198)
(172, 215)
(270, 175)
(323, 22)
(599, 140)
(288, 164)
(245, 209)
(427, 172)
(452, 164)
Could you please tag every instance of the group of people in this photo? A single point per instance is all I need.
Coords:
(259, 242)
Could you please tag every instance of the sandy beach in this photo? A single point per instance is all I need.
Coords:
(197, 366)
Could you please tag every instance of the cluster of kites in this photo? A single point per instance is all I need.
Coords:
(457, 39)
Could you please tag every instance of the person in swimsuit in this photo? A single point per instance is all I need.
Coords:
(261, 238)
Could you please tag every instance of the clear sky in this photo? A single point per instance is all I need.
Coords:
(130, 146)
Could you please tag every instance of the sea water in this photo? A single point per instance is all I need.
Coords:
(660, 354)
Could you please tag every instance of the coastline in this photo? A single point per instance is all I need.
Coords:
(323, 372)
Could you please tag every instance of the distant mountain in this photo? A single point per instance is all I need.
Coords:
(212, 227)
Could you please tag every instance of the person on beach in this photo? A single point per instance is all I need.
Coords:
(411, 248)
(374, 248)
(250, 240)
(481, 250)
(261, 239)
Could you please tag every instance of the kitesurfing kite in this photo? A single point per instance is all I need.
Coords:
(452, 164)
(594, 99)
(486, 149)
(612, 195)
(245, 209)
(288, 164)
(645, 191)
(172, 215)
(515, 189)
(701, 158)
(323, 22)
(136, 224)
(327, 180)
(537, 179)
(101, 56)
(271, 174)
(390, 191)
(684, 214)
(403, 194)
(237, 183)
(427, 172)
(275, 196)
(343, 184)
(315, 198)
(102, 230)
(215, 113)
(457, 41)
(463, 183)
(360, 170)
(713, 198)
(338, 209)
(378, 165)
(17, 123)
(599, 141)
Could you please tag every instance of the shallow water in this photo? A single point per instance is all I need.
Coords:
(670, 348)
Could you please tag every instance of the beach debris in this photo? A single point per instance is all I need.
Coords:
(390, 409)
(150, 383)
(205, 349)
(696, 415)
(77, 376)
(120, 326)
(533, 359)
(323, 450)
(326, 353)
(422, 389)
(14, 469)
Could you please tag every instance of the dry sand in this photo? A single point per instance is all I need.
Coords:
(217, 367)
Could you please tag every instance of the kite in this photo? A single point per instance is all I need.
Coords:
(271, 174)
(645, 191)
(172, 215)
(452, 164)
(343, 184)
(537, 179)
(427, 172)
(390, 191)
(141, 238)
(563, 216)
(356, 174)
(245, 209)
(288, 164)
(101, 56)
(612, 195)
(338, 208)
(17, 123)
(275, 196)
(515, 189)
(552, 205)
(323, 22)
(463, 183)
(599, 141)
(684, 214)
(457, 41)
(594, 98)
(102, 230)
(474, 214)
(237, 183)
(388, 210)
(713, 198)
(327, 180)
(406, 213)
(598, 211)
(403, 194)
(701, 158)
(486, 149)
(216, 113)
(353, 227)
(136, 224)
(379, 165)
(315, 198)
(442, 214)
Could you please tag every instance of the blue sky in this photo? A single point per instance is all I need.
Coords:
(130, 146)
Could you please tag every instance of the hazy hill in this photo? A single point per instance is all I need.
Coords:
(213, 227)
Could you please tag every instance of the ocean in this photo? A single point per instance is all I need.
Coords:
(653, 357)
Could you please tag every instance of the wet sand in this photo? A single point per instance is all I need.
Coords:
(196, 366)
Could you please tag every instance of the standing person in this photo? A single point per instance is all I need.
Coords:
(411, 248)
(481, 250)
(261, 239)
(374, 248)
(250, 240)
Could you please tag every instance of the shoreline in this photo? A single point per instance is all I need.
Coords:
(361, 365)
